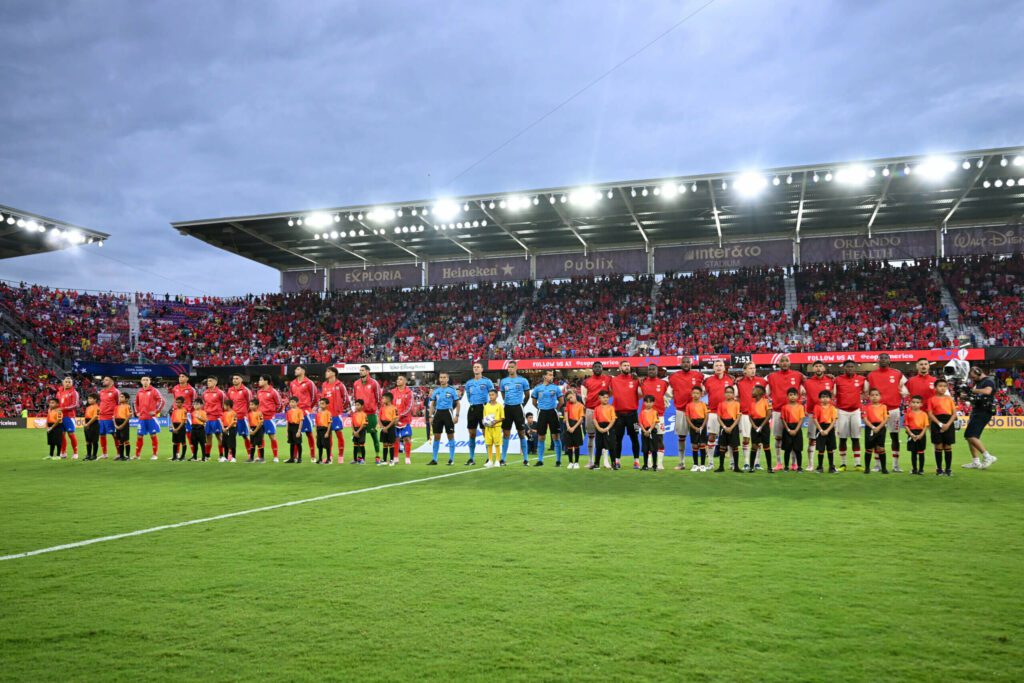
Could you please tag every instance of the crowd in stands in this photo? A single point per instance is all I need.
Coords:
(25, 383)
(989, 291)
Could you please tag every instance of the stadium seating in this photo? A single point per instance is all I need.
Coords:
(989, 291)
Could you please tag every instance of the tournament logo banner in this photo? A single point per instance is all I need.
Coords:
(900, 246)
(294, 281)
(967, 241)
(611, 363)
(127, 370)
(901, 356)
(687, 258)
(374, 277)
(510, 269)
(562, 266)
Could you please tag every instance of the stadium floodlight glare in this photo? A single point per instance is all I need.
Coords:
(359, 216)
(584, 196)
(11, 220)
(749, 184)
(298, 221)
(981, 162)
(476, 224)
(682, 188)
(644, 192)
(316, 235)
(351, 218)
(517, 202)
(907, 170)
(381, 215)
(1004, 161)
(936, 168)
(291, 222)
(397, 230)
(446, 209)
(1011, 182)
(21, 222)
(999, 182)
(656, 190)
(334, 234)
(885, 171)
(399, 213)
(413, 212)
(776, 181)
(669, 190)
(563, 199)
(536, 201)
(851, 175)
(966, 165)
(693, 188)
(491, 205)
(100, 244)
(986, 184)
(337, 218)
(871, 173)
(318, 220)
(815, 177)
(41, 228)
(483, 223)
(609, 194)
(632, 192)
(351, 233)
(458, 226)
(502, 204)
(551, 199)
(1018, 160)
(828, 177)
(362, 233)
(465, 207)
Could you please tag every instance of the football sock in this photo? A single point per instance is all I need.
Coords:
(156, 444)
(103, 443)
(451, 448)
(273, 446)
(540, 450)
(949, 459)
(472, 446)
(522, 445)
(558, 450)
(138, 447)
(408, 449)
(504, 449)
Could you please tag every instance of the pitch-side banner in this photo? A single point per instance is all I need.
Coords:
(612, 362)
(558, 266)
(966, 241)
(510, 269)
(1006, 422)
(690, 257)
(372, 277)
(127, 370)
(898, 246)
(353, 368)
(902, 356)
(293, 281)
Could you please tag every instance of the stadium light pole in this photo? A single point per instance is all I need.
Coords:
(502, 227)
(636, 221)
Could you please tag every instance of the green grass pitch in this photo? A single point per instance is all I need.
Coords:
(509, 574)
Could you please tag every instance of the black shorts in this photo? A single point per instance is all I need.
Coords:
(514, 415)
(732, 439)
(256, 437)
(573, 439)
(359, 438)
(121, 434)
(919, 445)
(475, 417)
(699, 436)
(293, 433)
(54, 435)
(92, 433)
(443, 422)
(762, 437)
(874, 441)
(976, 424)
(178, 436)
(943, 438)
(651, 444)
(387, 436)
(792, 443)
(826, 443)
(323, 436)
(198, 433)
(545, 419)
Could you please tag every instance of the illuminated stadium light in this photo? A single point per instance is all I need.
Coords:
(437, 227)
(424, 211)
(318, 220)
(986, 184)
(999, 183)
(41, 228)
(981, 162)
(852, 175)
(789, 179)
(563, 199)
(100, 244)
(1004, 161)
(400, 213)
(966, 165)
(609, 194)
(669, 190)
(693, 188)
(585, 196)
(551, 199)
(351, 217)
(405, 228)
(502, 204)
(476, 224)
(885, 171)
(750, 184)
(334, 234)
(397, 230)
(815, 177)
(21, 222)
(725, 185)
(413, 212)
(359, 216)
(76, 237)
(536, 201)
(483, 223)
(28, 225)
(291, 222)
(298, 221)
(316, 235)
(458, 226)
(10, 220)
(362, 233)
(657, 191)
(351, 233)
(381, 215)
(633, 192)
(491, 205)
(907, 170)
(644, 192)
(517, 202)
(446, 209)
(465, 207)
(776, 181)
(871, 173)
(682, 188)
(936, 168)
(337, 218)
(828, 177)
(1018, 160)
(1011, 182)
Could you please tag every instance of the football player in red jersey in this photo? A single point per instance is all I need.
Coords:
(304, 390)
(184, 391)
(715, 385)
(337, 404)
(890, 384)
(626, 398)
(239, 396)
(745, 389)
(401, 396)
(814, 385)
(779, 384)
(148, 404)
(109, 396)
(592, 388)
(849, 394)
(213, 405)
(67, 397)
(923, 383)
(270, 404)
(682, 383)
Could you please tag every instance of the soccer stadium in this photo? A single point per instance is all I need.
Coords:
(728, 425)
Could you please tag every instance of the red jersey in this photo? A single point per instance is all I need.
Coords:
(402, 398)
(625, 393)
(369, 393)
(888, 383)
(239, 397)
(815, 386)
(187, 392)
(108, 402)
(745, 386)
(656, 387)
(848, 392)
(921, 386)
(337, 397)
(213, 403)
(715, 386)
(682, 384)
(68, 399)
(305, 391)
(270, 402)
(779, 384)
(148, 403)
(594, 386)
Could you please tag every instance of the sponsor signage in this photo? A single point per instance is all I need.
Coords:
(966, 241)
(293, 281)
(127, 370)
(901, 356)
(1006, 422)
(11, 422)
(509, 269)
(353, 368)
(373, 277)
(611, 363)
(560, 266)
(687, 258)
(899, 246)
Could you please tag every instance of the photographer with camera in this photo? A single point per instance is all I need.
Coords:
(982, 393)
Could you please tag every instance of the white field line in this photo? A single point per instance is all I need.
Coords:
(229, 515)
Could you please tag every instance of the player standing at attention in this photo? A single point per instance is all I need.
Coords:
(198, 430)
(55, 428)
(91, 427)
(213, 406)
(592, 388)
(849, 389)
(179, 429)
(729, 419)
(654, 385)
(514, 390)
(547, 398)
(494, 413)
(270, 405)
(255, 419)
(323, 434)
(575, 417)
(792, 416)
(696, 417)
(294, 417)
(942, 414)
(367, 390)
(779, 384)
(650, 434)
(889, 381)
(401, 397)
(876, 416)
(337, 402)
(239, 397)
(715, 387)
(358, 434)
(444, 413)
(604, 421)
(388, 424)
(185, 391)
(813, 386)
(304, 389)
(921, 384)
(68, 399)
(745, 392)
(477, 391)
(681, 386)
(109, 396)
(824, 420)
(148, 404)
(626, 401)
(229, 423)
(761, 427)
(916, 422)
(122, 419)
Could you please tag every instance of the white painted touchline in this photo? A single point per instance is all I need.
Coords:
(204, 520)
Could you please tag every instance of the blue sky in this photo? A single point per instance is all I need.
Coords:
(124, 116)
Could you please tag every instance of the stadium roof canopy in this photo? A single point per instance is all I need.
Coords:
(23, 233)
(978, 187)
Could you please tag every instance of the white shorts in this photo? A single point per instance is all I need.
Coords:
(893, 424)
(681, 428)
(714, 426)
(744, 426)
(812, 430)
(777, 425)
(848, 424)
(588, 422)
